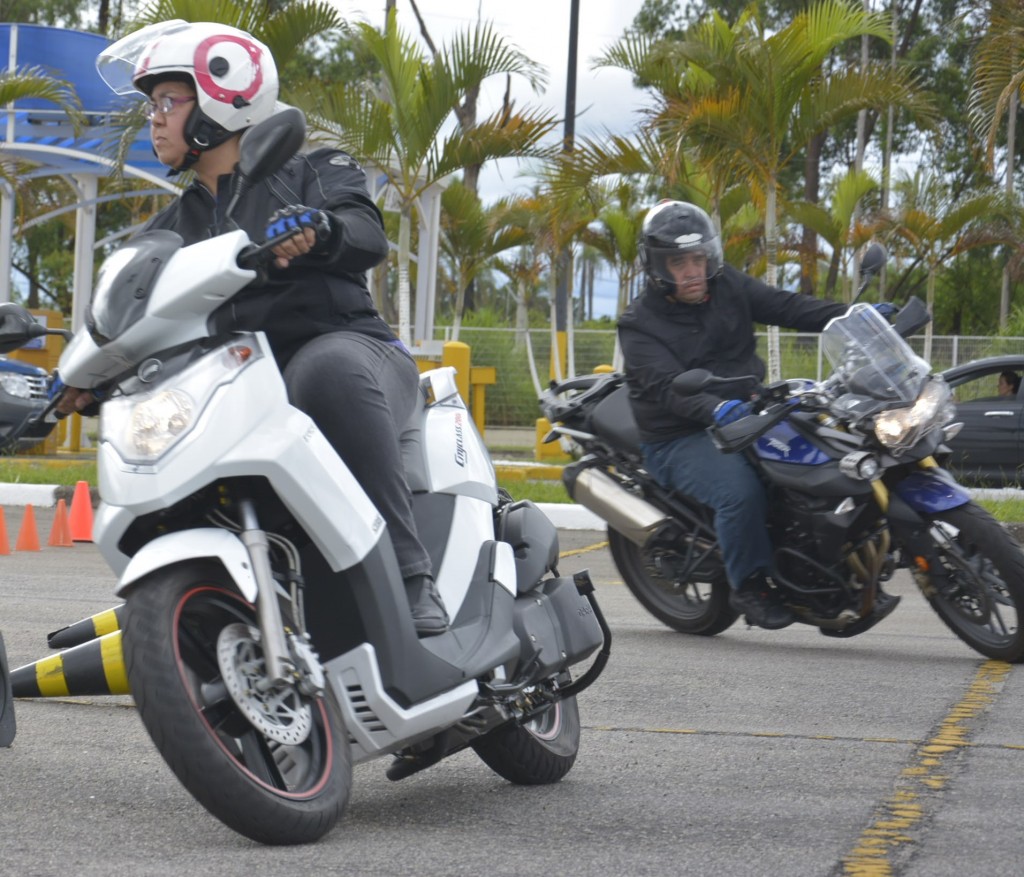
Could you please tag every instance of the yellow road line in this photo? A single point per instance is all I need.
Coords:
(575, 551)
(898, 821)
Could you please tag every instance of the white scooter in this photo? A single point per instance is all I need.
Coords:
(267, 633)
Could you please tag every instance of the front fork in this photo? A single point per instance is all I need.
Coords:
(277, 661)
(926, 491)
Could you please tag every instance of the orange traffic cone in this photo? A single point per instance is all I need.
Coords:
(5, 543)
(81, 513)
(60, 533)
(28, 536)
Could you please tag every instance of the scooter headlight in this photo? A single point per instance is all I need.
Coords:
(145, 426)
(901, 428)
(158, 422)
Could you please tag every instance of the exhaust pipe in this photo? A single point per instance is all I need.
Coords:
(625, 512)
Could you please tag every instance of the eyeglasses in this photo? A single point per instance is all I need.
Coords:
(165, 105)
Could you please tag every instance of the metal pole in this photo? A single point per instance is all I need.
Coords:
(563, 264)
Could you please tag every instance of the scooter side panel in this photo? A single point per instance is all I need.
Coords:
(280, 443)
(472, 526)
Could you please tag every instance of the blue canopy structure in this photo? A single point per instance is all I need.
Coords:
(40, 134)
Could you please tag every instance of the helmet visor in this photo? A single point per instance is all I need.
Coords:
(119, 63)
(693, 261)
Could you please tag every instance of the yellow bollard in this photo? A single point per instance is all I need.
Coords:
(552, 451)
(456, 354)
(94, 667)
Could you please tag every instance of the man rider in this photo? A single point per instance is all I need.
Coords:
(206, 84)
(698, 312)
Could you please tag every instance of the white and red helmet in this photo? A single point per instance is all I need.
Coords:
(234, 74)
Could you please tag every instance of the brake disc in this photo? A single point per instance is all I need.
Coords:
(278, 712)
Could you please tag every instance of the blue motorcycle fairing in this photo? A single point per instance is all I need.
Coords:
(930, 491)
(784, 444)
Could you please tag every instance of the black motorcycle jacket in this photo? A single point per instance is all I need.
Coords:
(661, 339)
(322, 291)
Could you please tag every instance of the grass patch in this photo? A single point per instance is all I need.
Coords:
(536, 490)
(29, 470)
(45, 470)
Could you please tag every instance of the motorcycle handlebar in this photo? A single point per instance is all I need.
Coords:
(257, 256)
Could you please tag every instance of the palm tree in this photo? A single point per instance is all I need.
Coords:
(997, 84)
(937, 226)
(34, 83)
(836, 224)
(471, 236)
(747, 102)
(284, 28)
(402, 124)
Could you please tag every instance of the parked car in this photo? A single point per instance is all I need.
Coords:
(23, 393)
(989, 450)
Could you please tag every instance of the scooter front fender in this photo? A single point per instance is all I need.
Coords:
(197, 544)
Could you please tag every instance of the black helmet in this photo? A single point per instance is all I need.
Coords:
(673, 227)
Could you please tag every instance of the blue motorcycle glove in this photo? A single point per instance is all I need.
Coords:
(296, 216)
(886, 308)
(730, 411)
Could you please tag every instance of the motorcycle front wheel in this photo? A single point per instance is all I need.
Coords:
(980, 595)
(273, 765)
(539, 752)
(700, 608)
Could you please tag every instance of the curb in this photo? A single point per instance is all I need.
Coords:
(565, 516)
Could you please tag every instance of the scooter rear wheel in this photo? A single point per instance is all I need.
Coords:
(287, 790)
(537, 753)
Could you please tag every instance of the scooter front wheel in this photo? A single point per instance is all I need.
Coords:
(272, 764)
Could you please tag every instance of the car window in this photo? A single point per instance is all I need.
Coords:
(985, 387)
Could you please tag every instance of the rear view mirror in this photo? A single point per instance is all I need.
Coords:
(17, 327)
(267, 146)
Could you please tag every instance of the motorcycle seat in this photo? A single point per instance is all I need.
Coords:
(613, 421)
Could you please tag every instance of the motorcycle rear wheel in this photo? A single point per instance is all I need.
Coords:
(698, 608)
(537, 753)
(269, 791)
(983, 601)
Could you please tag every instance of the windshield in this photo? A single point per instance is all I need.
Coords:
(870, 359)
(125, 281)
(117, 63)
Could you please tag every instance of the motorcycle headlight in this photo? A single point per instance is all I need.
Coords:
(143, 427)
(901, 428)
(15, 385)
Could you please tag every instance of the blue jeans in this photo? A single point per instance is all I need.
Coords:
(729, 485)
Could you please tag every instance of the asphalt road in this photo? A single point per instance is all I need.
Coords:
(751, 753)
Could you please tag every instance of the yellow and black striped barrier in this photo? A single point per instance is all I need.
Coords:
(89, 628)
(94, 667)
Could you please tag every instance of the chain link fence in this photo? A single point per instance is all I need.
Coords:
(523, 358)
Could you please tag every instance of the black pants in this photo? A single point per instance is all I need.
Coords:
(360, 392)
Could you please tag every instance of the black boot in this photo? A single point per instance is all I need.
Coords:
(428, 613)
(761, 603)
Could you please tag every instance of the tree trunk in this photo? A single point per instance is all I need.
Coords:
(809, 238)
(404, 294)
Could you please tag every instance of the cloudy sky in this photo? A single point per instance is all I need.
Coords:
(605, 97)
